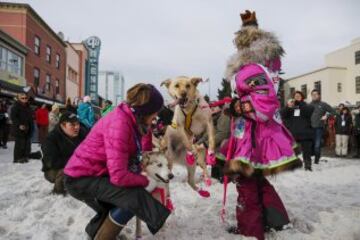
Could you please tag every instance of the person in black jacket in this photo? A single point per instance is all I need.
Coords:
(22, 128)
(343, 126)
(58, 148)
(297, 116)
(4, 124)
(357, 132)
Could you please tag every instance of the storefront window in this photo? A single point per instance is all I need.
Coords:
(11, 62)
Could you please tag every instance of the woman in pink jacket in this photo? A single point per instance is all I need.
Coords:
(105, 169)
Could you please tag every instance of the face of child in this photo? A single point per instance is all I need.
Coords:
(237, 107)
(247, 107)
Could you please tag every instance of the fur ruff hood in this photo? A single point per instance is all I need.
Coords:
(254, 46)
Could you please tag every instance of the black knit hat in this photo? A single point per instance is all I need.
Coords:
(68, 117)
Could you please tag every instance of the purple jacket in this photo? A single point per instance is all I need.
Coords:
(107, 149)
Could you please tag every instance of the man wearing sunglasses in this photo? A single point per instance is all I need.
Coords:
(58, 148)
(22, 128)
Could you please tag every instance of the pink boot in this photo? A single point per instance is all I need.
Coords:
(190, 158)
(203, 193)
(210, 158)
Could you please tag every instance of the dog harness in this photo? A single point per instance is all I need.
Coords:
(188, 121)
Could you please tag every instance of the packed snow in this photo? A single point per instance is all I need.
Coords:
(323, 204)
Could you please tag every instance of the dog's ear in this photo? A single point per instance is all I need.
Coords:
(196, 80)
(145, 157)
(167, 83)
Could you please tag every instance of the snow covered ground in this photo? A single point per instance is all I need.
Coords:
(324, 204)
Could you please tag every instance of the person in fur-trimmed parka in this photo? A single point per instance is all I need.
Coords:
(255, 45)
(259, 207)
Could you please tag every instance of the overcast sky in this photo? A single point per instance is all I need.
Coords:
(152, 40)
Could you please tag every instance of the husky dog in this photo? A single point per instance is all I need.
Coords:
(156, 166)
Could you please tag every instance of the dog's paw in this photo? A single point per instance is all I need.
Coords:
(210, 158)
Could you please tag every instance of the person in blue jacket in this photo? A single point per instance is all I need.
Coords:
(86, 113)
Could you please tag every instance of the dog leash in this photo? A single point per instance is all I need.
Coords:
(226, 179)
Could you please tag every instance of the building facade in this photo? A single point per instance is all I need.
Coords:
(338, 81)
(111, 86)
(83, 62)
(12, 65)
(72, 72)
(45, 62)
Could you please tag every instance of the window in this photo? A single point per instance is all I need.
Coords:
(304, 90)
(37, 45)
(48, 54)
(357, 57)
(339, 87)
(36, 77)
(57, 63)
(292, 92)
(357, 84)
(48, 82)
(317, 86)
(11, 62)
(3, 59)
(57, 88)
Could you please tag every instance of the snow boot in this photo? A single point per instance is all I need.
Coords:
(275, 214)
(109, 230)
(59, 187)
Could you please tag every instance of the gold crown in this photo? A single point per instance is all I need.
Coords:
(248, 18)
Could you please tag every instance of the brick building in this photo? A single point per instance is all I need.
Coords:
(45, 63)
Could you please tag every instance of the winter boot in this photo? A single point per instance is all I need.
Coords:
(59, 187)
(275, 214)
(109, 230)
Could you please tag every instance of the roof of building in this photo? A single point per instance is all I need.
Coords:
(33, 13)
(317, 70)
(13, 42)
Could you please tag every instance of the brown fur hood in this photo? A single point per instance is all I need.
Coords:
(254, 46)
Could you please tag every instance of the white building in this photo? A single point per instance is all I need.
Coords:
(338, 81)
(111, 86)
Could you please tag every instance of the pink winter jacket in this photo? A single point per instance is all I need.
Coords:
(107, 149)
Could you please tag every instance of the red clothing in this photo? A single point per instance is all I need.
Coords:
(42, 116)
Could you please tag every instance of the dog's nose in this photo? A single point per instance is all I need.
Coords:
(183, 95)
(171, 176)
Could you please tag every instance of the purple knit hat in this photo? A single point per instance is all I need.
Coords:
(154, 104)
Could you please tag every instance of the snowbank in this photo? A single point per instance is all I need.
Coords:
(324, 204)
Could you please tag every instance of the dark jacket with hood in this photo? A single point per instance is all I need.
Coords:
(58, 148)
(21, 114)
(298, 120)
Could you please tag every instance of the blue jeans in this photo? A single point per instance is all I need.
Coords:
(317, 142)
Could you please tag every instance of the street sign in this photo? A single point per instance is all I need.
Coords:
(93, 45)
